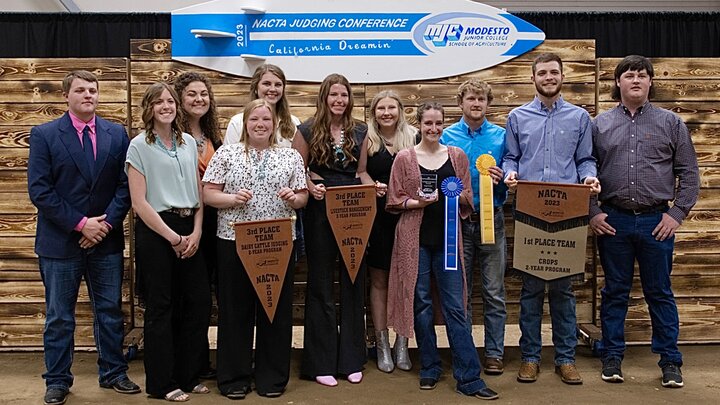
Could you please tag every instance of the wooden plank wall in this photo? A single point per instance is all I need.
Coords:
(150, 61)
(690, 88)
(31, 94)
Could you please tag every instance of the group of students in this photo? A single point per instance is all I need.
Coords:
(188, 188)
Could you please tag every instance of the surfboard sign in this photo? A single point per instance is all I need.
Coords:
(406, 40)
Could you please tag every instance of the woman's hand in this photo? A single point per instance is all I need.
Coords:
(181, 246)
(318, 191)
(287, 194)
(241, 197)
(423, 200)
(380, 189)
(192, 246)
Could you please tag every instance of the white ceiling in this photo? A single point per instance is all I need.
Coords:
(126, 6)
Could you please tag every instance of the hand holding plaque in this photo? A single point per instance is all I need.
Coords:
(428, 190)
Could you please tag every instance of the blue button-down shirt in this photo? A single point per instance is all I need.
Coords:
(490, 139)
(549, 145)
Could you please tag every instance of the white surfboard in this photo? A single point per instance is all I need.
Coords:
(368, 41)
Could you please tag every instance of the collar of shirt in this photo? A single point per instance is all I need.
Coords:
(639, 111)
(465, 127)
(540, 106)
(80, 125)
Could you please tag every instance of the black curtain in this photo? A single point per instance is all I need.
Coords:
(42, 35)
(65, 35)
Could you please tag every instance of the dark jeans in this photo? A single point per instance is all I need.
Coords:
(465, 360)
(633, 241)
(177, 309)
(492, 260)
(330, 350)
(61, 278)
(240, 312)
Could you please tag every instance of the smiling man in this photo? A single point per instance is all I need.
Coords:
(76, 179)
(549, 140)
(646, 159)
(477, 136)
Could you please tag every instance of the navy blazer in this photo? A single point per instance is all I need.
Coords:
(61, 186)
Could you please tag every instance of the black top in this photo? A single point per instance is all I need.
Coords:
(432, 228)
(336, 174)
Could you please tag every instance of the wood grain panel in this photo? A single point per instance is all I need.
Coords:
(150, 49)
(675, 90)
(705, 134)
(668, 68)
(691, 112)
(36, 114)
(14, 158)
(56, 69)
(17, 225)
(683, 286)
(31, 336)
(16, 203)
(111, 91)
(13, 137)
(505, 94)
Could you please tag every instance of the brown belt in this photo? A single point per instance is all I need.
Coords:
(639, 211)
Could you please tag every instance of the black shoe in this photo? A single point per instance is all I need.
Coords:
(272, 394)
(672, 376)
(428, 383)
(208, 374)
(485, 393)
(124, 386)
(238, 393)
(611, 371)
(56, 396)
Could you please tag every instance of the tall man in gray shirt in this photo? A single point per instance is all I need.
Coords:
(641, 151)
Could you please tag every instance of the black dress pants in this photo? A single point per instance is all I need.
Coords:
(177, 309)
(239, 312)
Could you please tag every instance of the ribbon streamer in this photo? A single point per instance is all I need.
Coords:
(451, 187)
(487, 210)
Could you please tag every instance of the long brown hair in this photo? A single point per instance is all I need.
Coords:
(152, 94)
(209, 122)
(320, 144)
(249, 108)
(282, 107)
(404, 133)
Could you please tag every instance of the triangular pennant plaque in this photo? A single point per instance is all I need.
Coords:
(351, 212)
(264, 248)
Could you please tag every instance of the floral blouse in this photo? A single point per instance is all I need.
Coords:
(264, 173)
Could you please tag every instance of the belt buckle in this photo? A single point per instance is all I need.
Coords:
(637, 212)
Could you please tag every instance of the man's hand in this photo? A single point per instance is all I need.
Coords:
(511, 181)
(95, 229)
(85, 243)
(599, 226)
(666, 228)
(594, 184)
(496, 174)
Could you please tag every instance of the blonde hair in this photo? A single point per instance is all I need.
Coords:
(405, 135)
(249, 108)
(151, 95)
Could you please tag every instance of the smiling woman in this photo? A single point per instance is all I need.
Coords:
(162, 167)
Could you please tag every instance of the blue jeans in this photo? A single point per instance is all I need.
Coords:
(465, 360)
(562, 314)
(493, 261)
(61, 278)
(633, 241)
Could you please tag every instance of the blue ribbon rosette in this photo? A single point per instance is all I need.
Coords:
(451, 187)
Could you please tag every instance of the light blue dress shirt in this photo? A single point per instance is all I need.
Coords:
(549, 145)
(488, 139)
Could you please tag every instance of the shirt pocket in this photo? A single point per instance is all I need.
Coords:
(655, 148)
(566, 141)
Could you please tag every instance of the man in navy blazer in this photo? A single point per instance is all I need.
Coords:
(76, 179)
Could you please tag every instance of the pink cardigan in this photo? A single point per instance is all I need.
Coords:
(404, 184)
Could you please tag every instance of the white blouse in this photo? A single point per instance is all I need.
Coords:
(264, 173)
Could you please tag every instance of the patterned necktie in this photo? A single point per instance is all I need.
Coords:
(88, 149)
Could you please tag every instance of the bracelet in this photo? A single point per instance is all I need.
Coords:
(181, 239)
(405, 203)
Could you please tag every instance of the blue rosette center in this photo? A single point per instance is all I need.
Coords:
(451, 187)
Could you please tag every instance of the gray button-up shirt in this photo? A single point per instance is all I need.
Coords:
(639, 158)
